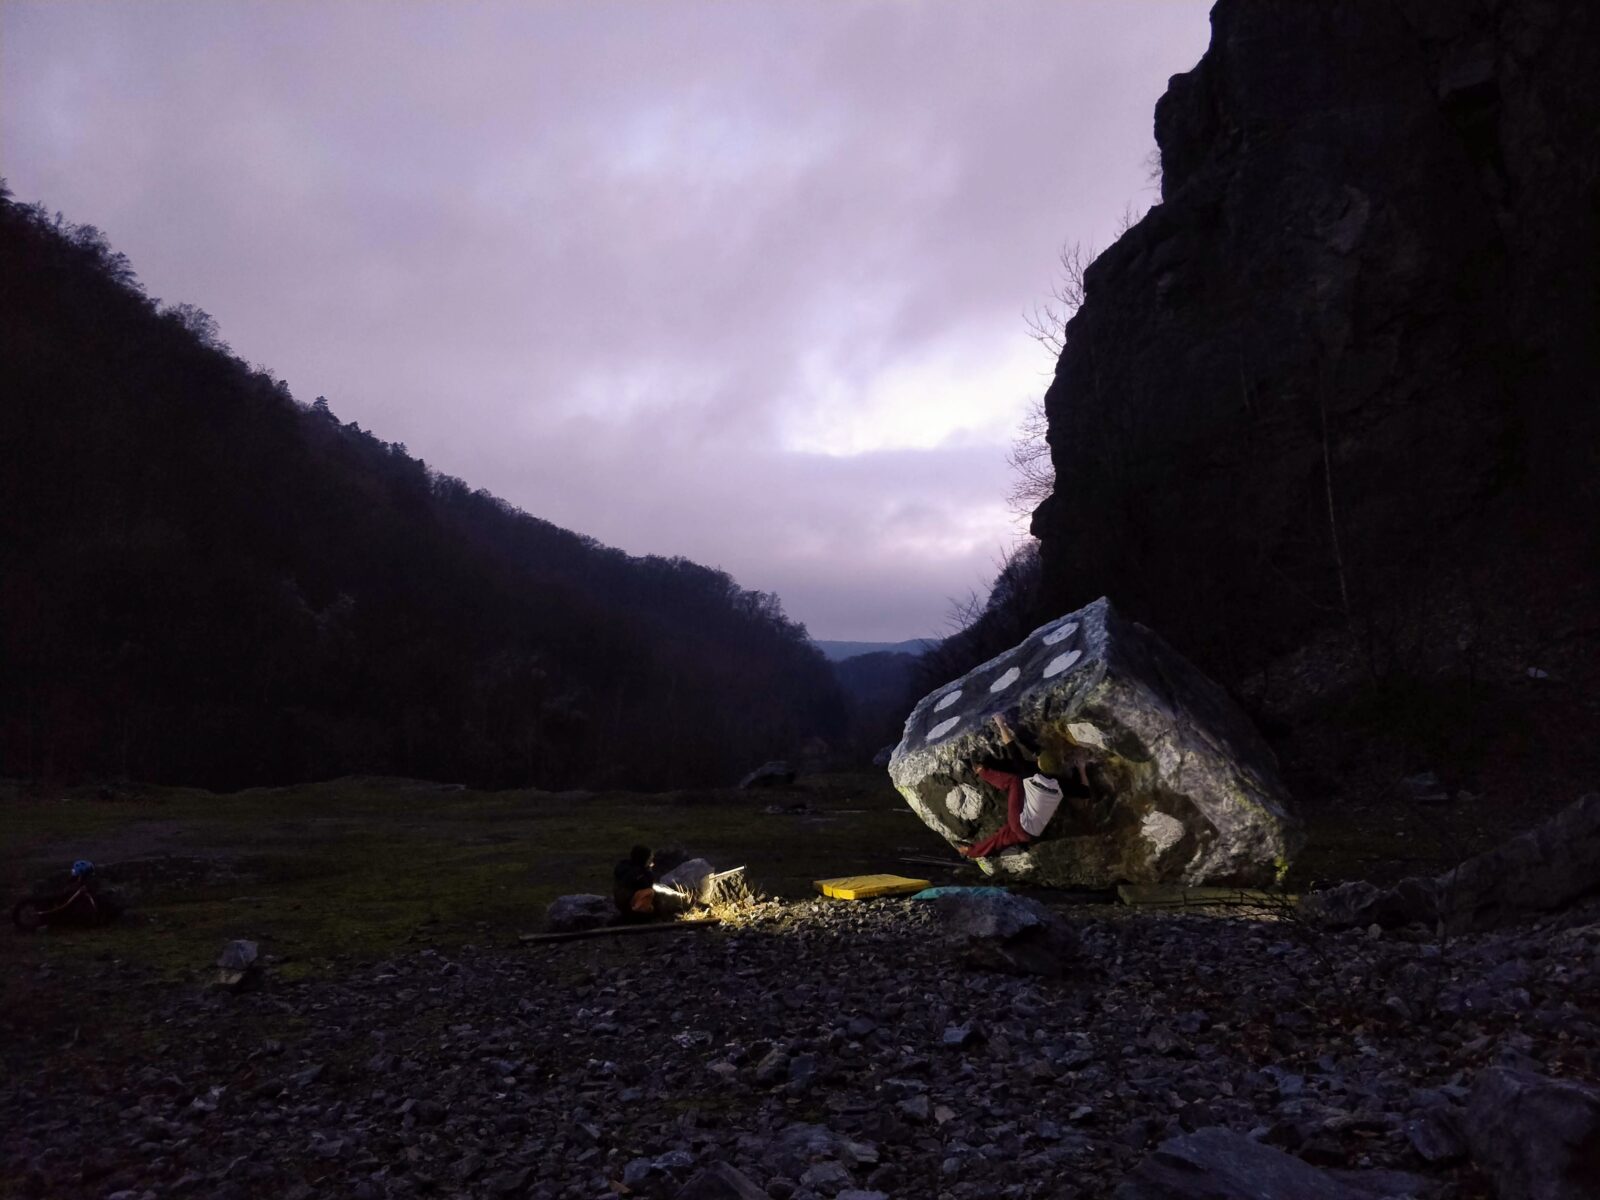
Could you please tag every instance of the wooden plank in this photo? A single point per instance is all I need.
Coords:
(1177, 895)
(618, 931)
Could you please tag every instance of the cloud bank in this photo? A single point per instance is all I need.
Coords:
(743, 283)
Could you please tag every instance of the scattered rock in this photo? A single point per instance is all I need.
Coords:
(1539, 871)
(1436, 1136)
(958, 1036)
(473, 1069)
(772, 774)
(510, 1183)
(237, 968)
(829, 1176)
(1186, 789)
(916, 1109)
(720, 1181)
(567, 914)
(773, 1067)
(1425, 788)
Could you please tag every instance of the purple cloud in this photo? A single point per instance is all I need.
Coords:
(738, 282)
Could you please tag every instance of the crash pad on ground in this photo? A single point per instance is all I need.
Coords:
(865, 887)
(935, 893)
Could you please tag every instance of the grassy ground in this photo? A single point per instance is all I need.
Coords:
(332, 875)
(358, 868)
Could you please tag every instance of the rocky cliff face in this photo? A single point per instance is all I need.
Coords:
(1355, 344)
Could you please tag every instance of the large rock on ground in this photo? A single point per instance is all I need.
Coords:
(1187, 789)
(721, 1181)
(1538, 871)
(771, 774)
(1012, 934)
(1537, 1138)
(237, 967)
(568, 914)
(1218, 1164)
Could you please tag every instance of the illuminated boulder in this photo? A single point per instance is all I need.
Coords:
(1184, 788)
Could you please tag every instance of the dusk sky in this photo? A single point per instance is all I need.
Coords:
(743, 282)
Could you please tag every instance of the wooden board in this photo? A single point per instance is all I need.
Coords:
(618, 931)
(1177, 895)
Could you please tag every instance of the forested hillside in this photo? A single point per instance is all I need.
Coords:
(204, 580)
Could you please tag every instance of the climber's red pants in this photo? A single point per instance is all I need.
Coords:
(1013, 834)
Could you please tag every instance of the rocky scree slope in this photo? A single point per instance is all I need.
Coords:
(824, 1049)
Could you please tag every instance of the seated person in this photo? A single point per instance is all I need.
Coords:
(634, 886)
(1034, 785)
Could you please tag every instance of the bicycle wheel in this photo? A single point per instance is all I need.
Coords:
(27, 915)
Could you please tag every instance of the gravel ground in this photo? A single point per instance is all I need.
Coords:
(818, 1047)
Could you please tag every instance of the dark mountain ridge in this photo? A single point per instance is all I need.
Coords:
(205, 581)
(837, 652)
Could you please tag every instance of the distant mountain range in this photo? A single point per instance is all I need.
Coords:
(839, 651)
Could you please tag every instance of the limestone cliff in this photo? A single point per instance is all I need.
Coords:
(1355, 345)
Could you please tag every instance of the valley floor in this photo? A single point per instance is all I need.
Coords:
(407, 1043)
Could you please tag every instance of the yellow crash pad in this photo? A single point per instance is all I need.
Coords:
(864, 887)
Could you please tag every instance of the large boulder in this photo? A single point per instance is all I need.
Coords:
(1187, 791)
(1536, 1138)
(1538, 871)
(1218, 1164)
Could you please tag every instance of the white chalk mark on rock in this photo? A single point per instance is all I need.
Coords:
(1162, 832)
(1057, 636)
(1006, 680)
(1061, 662)
(942, 728)
(946, 701)
(964, 802)
(1086, 734)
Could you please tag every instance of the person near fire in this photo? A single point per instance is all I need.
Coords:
(634, 885)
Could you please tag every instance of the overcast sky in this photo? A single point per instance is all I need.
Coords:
(743, 282)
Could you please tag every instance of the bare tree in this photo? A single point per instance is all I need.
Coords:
(1034, 475)
(1047, 324)
(1029, 456)
(1153, 169)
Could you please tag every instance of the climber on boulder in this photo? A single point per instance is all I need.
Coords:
(1034, 789)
